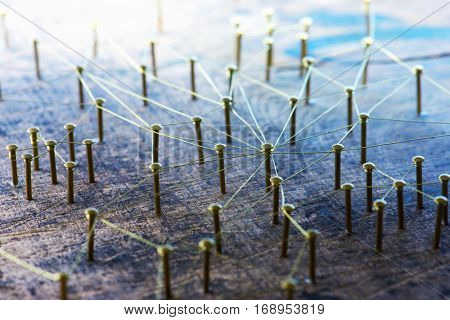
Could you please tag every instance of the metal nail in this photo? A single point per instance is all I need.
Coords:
(287, 210)
(337, 149)
(70, 127)
(418, 162)
(267, 150)
(91, 215)
(70, 166)
(34, 144)
(368, 167)
(90, 159)
(100, 103)
(399, 187)
(198, 132)
(205, 246)
(155, 138)
(440, 204)
(347, 187)
(276, 182)
(215, 210)
(12, 148)
(379, 205)
(156, 169)
(52, 157)
(27, 159)
(364, 118)
(227, 105)
(164, 252)
(221, 161)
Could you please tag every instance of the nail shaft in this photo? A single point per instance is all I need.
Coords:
(363, 117)
(288, 285)
(100, 102)
(349, 107)
(306, 24)
(337, 148)
(379, 208)
(231, 70)
(36, 59)
(367, 16)
(70, 127)
(347, 187)
(51, 154)
(440, 204)
(443, 178)
(156, 169)
(286, 209)
(227, 105)
(70, 166)
(94, 41)
(27, 159)
(153, 58)
(221, 161)
(34, 145)
(215, 210)
(12, 148)
(368, 167)
(164, 252)
(367, 42)
(308, 63)
(192, 69)
(303, 51)
(62, 279)
(80, 86)
(293, 101)
(155, 139)
(90, 159)
(418, 162)
(418, 70)
(276, 182)
(144, 85)
(399, 186)
(198, 132)
(312, 237)
(238, 48)
(205, 246)
(91, 215)
(267, 150)
(269, 57)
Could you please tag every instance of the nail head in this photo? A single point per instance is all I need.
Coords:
(88, 141)
(440, 200)
(12, 147)
(70, 164)
(219, 147)
(164, 249)
(288, 208)
(215, 208)
(155, 167)
(337, 147)
(347, 186)
(70, 126)
(27, 156)
(276, 180)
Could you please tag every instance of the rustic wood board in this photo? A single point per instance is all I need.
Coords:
(50, 234)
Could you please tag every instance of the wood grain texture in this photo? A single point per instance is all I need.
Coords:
(50, 234)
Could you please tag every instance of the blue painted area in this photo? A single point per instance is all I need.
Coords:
(333, 19)
(356, 23)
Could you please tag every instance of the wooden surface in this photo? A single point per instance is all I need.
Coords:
(50, 234)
